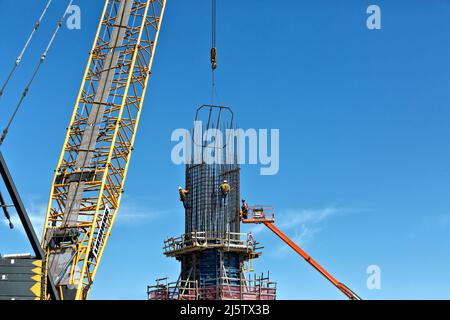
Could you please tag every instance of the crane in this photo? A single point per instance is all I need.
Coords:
(266, 216)
(89, 178)
(90, 174)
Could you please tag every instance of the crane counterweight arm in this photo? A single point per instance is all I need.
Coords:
(343, 288)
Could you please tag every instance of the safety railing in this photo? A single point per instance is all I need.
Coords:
(179, 290)
(227, 288)
(231, 240)
(239, 289)
(258, 214)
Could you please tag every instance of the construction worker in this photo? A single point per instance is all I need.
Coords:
(250, 240)
(183, 196)
(224, 190)
(244, 210)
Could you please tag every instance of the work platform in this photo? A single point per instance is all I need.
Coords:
(242, 243)
(21, 278)
(259, 214)
(256, 288)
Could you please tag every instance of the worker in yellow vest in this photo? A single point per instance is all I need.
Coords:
(224, 190)
(183, 196)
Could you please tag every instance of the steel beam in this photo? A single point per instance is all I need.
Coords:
(25, 220)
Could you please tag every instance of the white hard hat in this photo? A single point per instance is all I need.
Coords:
(179, 188)
(225, 181)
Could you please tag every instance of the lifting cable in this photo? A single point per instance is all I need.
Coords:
(213, 36)
(213, 49)
(3, 205)
(41, 61)
(19, 58)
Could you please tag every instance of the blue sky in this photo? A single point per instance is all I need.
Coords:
(363, 118)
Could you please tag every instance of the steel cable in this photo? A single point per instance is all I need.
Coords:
(19, 58)
(41, 61)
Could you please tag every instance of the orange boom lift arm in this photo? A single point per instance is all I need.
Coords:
(265, 215)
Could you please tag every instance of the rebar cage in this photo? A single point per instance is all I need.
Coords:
(206, 210)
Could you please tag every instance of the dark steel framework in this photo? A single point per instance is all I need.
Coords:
(25, 220)
(206, 210)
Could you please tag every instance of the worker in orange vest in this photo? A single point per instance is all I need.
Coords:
(224, 190)
(244, 210)
(183, 196)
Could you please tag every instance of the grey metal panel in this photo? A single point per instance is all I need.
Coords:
(17, 270)
(21, 289)
(17, 298)
(68, 293)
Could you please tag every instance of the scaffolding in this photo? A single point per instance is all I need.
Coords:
(256, 288)
(199, 240)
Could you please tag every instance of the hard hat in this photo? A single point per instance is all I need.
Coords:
(225, 181)
(179, 188)
(243, 200)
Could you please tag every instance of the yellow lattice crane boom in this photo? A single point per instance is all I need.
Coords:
(91, 171)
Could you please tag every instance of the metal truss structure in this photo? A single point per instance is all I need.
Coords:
(91, 171)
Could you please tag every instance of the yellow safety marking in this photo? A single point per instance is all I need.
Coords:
(37, 278)
(37, 270)
(36, 289)
(37, 263)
